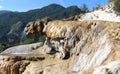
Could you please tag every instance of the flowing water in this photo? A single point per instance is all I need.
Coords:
(23, 37)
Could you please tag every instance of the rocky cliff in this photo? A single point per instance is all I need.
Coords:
(88, 46)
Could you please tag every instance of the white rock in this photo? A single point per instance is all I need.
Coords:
(111, 68)
(106, 13)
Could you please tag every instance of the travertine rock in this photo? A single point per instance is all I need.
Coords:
(84, 48)
(34, 27)
(110, 68)
(70, 37)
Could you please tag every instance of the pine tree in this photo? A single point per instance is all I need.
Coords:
(84, 8)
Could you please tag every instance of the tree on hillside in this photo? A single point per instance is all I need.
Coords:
(117, 6)
(111, 0)
(84, 8)
(96, 8)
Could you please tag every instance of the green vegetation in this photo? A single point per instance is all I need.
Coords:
(2, 47)
(108, 71)
(84, 8)
(116, 6)
(29, 41)
(111, 0)
(3, 11)
(42, 38)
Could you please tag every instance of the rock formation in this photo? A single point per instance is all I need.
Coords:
(36, 27)
(96, 43)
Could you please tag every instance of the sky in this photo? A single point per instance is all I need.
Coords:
(25, 5)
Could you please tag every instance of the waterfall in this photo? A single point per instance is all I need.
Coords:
(23, 36)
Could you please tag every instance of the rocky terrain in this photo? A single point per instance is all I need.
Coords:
(78, 45)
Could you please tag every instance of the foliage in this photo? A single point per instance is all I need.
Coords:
(111, 0)
(42, 38)
(29, 41)
(84, 8)
(2, 47)
(67, 12)
(3, 11)
(117, 6)
(108, 71)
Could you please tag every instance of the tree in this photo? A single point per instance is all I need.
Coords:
(111, 0)
(117, 6)
(84, 8)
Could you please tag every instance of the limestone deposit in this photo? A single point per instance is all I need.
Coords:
(89, 43)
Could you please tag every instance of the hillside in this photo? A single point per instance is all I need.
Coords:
(13, 23)
(3, 11)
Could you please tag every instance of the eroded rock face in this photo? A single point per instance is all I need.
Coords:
(70, 37)
(63, 35)
(93, 38)
(82, 46)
